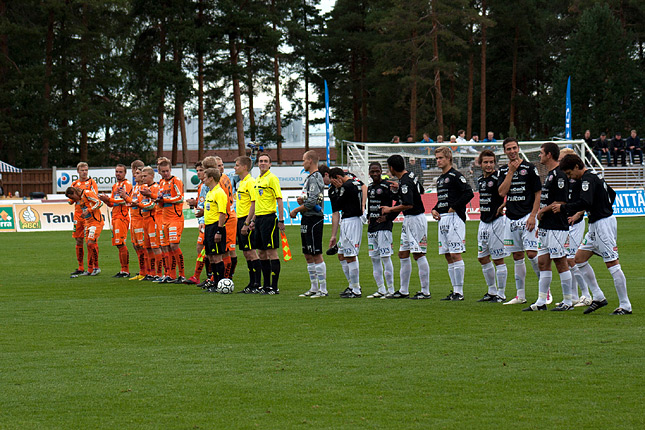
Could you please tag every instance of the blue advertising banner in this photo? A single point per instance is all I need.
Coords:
(567, 119)
(630, 202)
(296, 221)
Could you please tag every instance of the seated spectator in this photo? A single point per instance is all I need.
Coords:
(439, 138)
(426, 139)
(410, 139)
(617, 146)
(415, 167)
(474, 138)
(601, 148)
(396, 139)
(490, 137)
(461, 137)
(633, 144)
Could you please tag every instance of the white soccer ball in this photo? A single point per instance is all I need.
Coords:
(225, 286)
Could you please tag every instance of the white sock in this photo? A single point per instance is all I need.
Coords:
(377, 272)
(424, 274)
(520, 278)
(321, 271)
(354, 277)
(544, 284)
(584, 289)
(460, 271)
(313, 277)
(345, 267)
(406, 270)
(488, 270)
(502, 274)
(620, 282)
(590, 278)
(534, 265)
(451, 275)
(389, 273)
(574, 285)
(566, 281)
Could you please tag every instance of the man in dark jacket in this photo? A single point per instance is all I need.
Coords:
(618, 149)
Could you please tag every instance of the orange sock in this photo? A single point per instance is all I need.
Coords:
(160, 264)
(93, 256)
(124, 258)
(227, 266)
(79, 256)
(179, 261)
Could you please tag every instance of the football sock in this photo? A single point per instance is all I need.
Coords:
(620, 282)
(124, 258)
(566, 280)
(250, 264)
(160, 264)
(266, 273)
(257, 272)
(227, 266)
(313, 277)
(321, 271)
(451, 275)
(406, 271)
(502, 275)
(488, 270)
(584, 289)
(543, 285)
(79, 256)
(534, 265)
(165, 257)
(389, 273)
(424, 274)
(275, 273)
(207, 263)
(173, 264)
(354, 276)
(141, 257)
(377, 272)
(460, 271)
(199, 266)
(233, 266)
(343, 265)
(179, 259)
(590, 278)
(219, 272)
(93, 251)
(574, 286)
(520, 278)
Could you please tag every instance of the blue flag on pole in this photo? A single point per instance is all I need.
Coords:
(567, 120)
(327, 118)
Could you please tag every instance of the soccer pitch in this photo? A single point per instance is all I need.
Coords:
(98, 352)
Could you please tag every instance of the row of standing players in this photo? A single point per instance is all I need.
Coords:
(527, 201)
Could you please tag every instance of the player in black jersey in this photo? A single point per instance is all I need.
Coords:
(596, 197)
(453, 194)
(347, 199)
(576, 234)
(414, 231)
(520, 184)
(553, 231)
(490, 236)
(379, 231)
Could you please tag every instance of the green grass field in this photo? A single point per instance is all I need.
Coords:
(109, 353)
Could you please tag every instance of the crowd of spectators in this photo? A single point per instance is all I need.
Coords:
(629, 150)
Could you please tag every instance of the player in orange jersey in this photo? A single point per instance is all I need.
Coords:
(90, 205)
(136, 222)
(120, 217)
(83, 182)
(198, 205)
(148, 193)
(171, 199)
(230, 258)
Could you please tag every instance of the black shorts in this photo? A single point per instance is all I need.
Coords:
(245, 243)
(267, 234)
(210, 246)
(311, 233)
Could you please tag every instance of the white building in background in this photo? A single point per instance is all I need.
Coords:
(294, 135)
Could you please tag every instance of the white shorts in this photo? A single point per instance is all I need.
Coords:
(553, 242)
(601, 239)
(351, 233)
(452, 234)
(490, 239)
(379, 243)
(414, 234)
(576, 235)
(517, 238)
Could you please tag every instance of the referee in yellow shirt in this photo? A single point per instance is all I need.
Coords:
(214, 230)
(267, 224)
(246, 197)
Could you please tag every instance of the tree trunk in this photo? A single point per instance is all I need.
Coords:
(200, 91)
(175, 131)
(83, 85)
(413, 86)
(237, 97)
(276, 78)
(306, 108)
(514, 76)
(251, 92)
(363, 102)
(4, 50)
(482, 101)
(437, 74)
(49, 46)
(184, 136)
(356, 110)
(471, 74)
(162, 96)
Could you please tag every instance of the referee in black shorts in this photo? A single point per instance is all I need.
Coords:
(214, 231)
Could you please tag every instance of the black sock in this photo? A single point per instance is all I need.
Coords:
(266, 272)
(219, 271)
(207, 265)
(257, 273)
(233, 266)
(251, 267)
(275, 273)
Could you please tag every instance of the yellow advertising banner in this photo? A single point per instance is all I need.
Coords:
(49, 217)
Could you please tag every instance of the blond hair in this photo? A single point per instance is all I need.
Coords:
(445, 151)
(209, 162)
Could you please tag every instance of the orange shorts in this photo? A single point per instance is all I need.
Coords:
(79, 227)
(231, 233)
(200, 237)
(137, 231)
(93, 230)
(172, 232)
(120, 230)
(151, 236)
